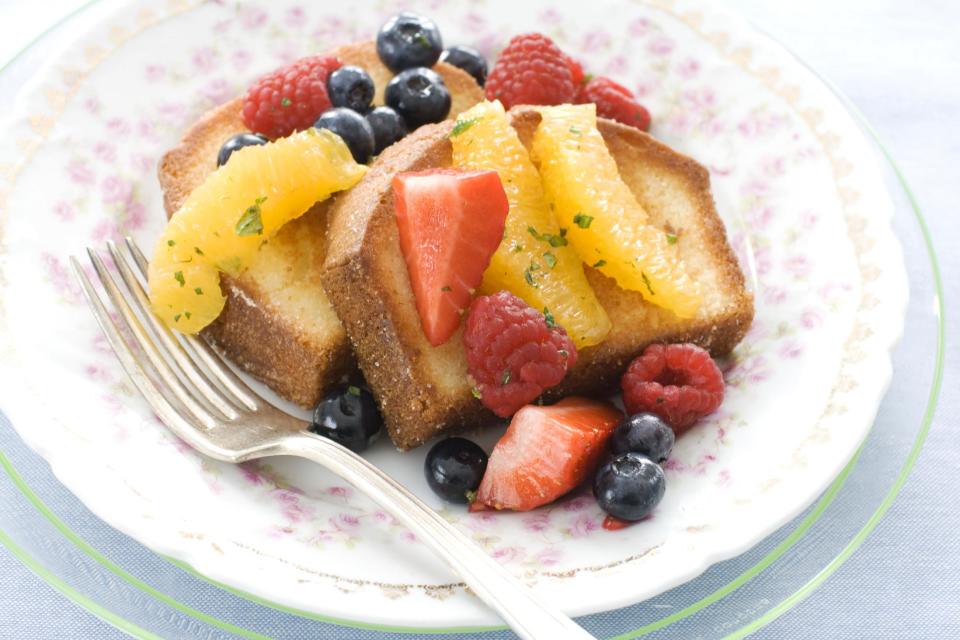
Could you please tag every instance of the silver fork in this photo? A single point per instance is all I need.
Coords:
(205, 404)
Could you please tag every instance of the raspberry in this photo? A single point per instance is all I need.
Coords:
(290, 98)
(678, 382)
(614, 101)
(514, 352)
(531, 70)
(576, 72)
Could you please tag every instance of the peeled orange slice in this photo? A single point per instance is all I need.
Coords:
(534, 260)
(226, 220)
(606, 225)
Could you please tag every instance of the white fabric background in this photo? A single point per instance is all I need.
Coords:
(899, 62)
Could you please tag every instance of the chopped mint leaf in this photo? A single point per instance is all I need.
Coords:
(534, 265)
(178, 276)
(646, 281)
(251, 223)
(186, 314)
(286, 102)
(598, 264)
(528, 276)
(354, 391)
(563, 232)
(446, 288)
(197, 250)
(549, 238)
(198, 291)
(563, 352)
(170, 243)
(551, 323)
(582, 220)
(176, 318)
(575, 131)
(550, 259)
(461, 126)
(517, 248)
(421, 40)
(505, 379)
(471, 496)
(671, 238)
(476, 393)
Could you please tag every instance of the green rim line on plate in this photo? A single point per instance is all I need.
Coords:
(89, 550)
(84, 546)
(779, 550)
(329, 619)
(764, 562)
(65, 589)
(808, 588)
(940, 305)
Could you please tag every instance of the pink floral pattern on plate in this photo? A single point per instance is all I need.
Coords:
(792, 179)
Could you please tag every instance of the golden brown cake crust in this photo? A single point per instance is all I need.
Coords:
(366, 279)
(297, 363)
(424, 390)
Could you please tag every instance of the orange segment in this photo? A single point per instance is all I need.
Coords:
(607, 226)
(534, 261)
(226, 220)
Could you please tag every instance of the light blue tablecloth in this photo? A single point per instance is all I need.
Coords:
(899, 63)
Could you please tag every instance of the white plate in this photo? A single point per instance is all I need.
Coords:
(793, 179)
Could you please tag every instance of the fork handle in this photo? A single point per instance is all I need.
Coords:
(527, 614)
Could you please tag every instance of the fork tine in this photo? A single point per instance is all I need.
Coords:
(201, 352)
(154, 396)
(147, 345)
(201, 384)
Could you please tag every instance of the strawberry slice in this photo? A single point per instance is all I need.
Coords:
(546, 452)
(451, 222)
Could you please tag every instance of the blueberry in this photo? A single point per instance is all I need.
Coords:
(468, 59)
(348, 415)
(352, 127)
(238, 142)
(419, 95)
(351, 87)
(454, 468)
(643, 433)
(388, 127)
(408, 40)
(629, 486)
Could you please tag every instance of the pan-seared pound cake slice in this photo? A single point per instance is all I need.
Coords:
(424, 390)
(278, 323)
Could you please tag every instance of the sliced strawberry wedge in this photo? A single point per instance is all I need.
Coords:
(546, 452)
(450, 222)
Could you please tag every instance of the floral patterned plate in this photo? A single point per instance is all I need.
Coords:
(793, 179)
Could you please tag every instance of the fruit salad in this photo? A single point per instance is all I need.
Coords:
(535, 260)
(499, 250)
